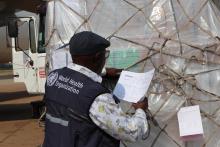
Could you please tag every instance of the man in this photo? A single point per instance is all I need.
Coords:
(80, 111)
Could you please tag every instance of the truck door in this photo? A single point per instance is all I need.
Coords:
(28, 64)
(20, 46)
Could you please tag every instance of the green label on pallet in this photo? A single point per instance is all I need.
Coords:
(122, 58)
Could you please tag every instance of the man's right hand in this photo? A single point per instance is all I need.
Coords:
(142, 105)
(113, 72)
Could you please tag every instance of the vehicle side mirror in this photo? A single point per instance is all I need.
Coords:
(13, 28)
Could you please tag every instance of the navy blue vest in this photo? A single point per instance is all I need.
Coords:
(69, 95)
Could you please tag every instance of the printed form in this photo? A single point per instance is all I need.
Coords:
(132, 87)
(190, 123)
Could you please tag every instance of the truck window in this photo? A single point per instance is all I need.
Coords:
(41, 36)
(23, 36)
(32, 36)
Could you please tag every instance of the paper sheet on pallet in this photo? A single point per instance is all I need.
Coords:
(190, 123)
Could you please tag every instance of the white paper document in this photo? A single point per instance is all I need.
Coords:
(190, 123)
(132, 86)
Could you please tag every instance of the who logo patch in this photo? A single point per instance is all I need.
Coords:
(52, 78)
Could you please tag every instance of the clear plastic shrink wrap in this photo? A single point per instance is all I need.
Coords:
(179, 38)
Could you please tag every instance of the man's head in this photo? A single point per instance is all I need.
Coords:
(89, 49)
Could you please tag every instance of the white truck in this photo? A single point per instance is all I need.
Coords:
(21, 39)
(28, 58)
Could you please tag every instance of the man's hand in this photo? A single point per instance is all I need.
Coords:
(113, 72)
(142, 105)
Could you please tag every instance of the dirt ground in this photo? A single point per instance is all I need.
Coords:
(17, 127)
